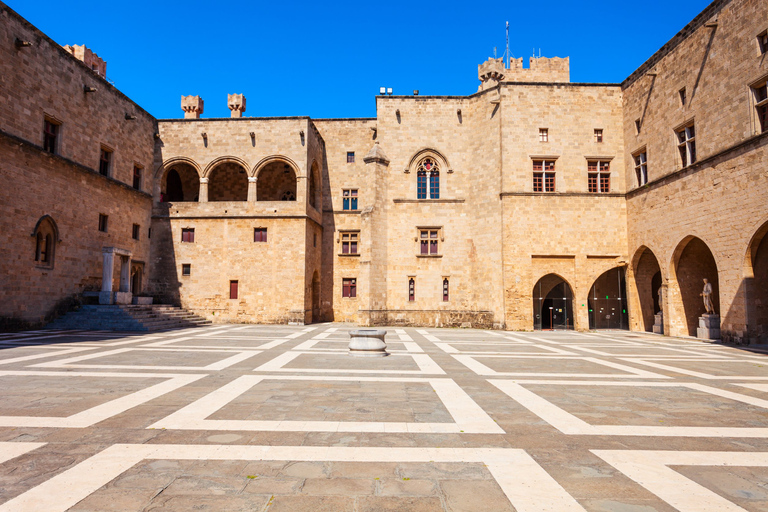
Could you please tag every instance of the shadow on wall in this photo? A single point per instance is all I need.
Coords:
(694, 263)
(326, 256)
(164, 283)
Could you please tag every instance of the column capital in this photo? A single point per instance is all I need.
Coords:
(203, 180)
(252, 179)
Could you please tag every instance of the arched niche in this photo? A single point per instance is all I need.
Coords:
(647, 281)
(276, 181)
(552, 303)
(756, 281)
(228, 181)
(692, 263)
(180, 183)
(607, 301)
(46, 238)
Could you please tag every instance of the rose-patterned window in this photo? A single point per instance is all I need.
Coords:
(428, 179)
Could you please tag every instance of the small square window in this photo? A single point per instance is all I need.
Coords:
(349, 288)
(103, 220)
(350, 157)
(233, 289)
(50, 135)
(349, 242)
(105, 161)
(259, 234)
(543, 135)
(136, 231)
(188, 235)
(186, 269)
(429, 241)
(598, 135)
(349, 198)
(683, 96)
(137, 177)
(637, 126)
(762, 41)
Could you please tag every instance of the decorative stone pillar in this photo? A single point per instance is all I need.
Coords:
(192, 106)
(236, 103)
(203, 194)
(251, 189)
(107, 271)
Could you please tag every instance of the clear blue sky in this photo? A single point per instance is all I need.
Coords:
(325, 59)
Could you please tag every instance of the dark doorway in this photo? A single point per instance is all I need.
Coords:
(173, 187)
(552, 304)
(607, 301)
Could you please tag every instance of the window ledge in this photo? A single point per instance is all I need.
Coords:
(345, 255)
(429, 255)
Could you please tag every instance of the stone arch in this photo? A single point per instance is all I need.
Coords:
(644, 282)
(692, 261)
(46, 238)
(185, 184)
(227, 179)
(276, 179)
(756, 285)
(429, 168)
(607, 300)
(315, 187)
(553, 303)
(428, 151)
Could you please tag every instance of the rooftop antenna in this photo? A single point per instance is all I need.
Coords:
(506, 52)
(494, 52)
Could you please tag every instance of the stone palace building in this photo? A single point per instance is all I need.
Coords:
(534, 203)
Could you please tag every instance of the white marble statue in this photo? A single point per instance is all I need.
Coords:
(706, 294)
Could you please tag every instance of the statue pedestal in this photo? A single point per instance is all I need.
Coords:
(658, 323)
(368, 343)
(709, 327)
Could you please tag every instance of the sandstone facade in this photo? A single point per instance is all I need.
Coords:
(533, 203)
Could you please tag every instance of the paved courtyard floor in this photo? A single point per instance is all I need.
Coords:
(280, 418)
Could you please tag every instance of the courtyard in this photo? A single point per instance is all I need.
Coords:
(280, 418)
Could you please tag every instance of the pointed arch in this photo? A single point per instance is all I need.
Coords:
(607, 300)
(644, 287)
(756, 285)
(185, 188)
(46, 237)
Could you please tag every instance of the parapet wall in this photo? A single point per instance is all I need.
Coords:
(542, 69)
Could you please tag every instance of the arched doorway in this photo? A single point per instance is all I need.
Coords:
(693, 262)
(647, 276)
(757, 287)
(136, 277)
(552, 304)
(180, 183)
(228, 181)
(607, 301)
(276, 182)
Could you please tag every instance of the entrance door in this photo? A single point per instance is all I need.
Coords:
(552, 304)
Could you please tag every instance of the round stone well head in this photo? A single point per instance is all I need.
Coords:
(367, 343)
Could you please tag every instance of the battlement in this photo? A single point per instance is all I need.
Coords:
(93, 61)
(490, 73)
(541, 69)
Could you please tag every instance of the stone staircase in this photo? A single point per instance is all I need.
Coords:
(156, 317)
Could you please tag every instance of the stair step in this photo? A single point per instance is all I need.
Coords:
(129, 318)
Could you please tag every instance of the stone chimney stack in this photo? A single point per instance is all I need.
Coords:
(192, 106)
(236, 104)
(90, 59)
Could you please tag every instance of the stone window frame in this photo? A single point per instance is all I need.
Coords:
(46, 235)
(685, 140)
(350, 157)
(234, 289)
(446, 288)
(106, 166)
(103, 223)
(411, 288)
(428, 179)
(140, 168)
(640, 163)
(759, 100)
(349, 288)
(543, 134)
(598, 167)
(427, 238)
(55, 147)
(544, 174)
(190, 238)
(682, 94)
(351, 237)
(599, 136)
(350, 197)
(260, 235)
(762, 42)
(136, 232)
(442, 167)
(186, 269)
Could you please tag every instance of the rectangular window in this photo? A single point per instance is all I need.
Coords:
(762, 41)
(105, 162)
(637, 126)
(411, 289)
(50, 135)
(761, 105)
(350, 157)
(686, 144)
(137, 177)
(682, 94)
(349, 288)
(188, 235)
(421, 185)
(136, 231)
(599, 176)
(349, 243)
(103, 222)
(598, 135)
(233, 289)
(186, 269)
(259, 234)
(543, 175)
(428, 240)
(446, 285)
(349, 198)
(543, 134)
(641, 168)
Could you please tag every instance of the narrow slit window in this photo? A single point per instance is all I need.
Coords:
(137, 177)
(50, 136)
(761, 106)
(411, 289)
(637, 126)
(683, 96)
(233, 289)
(446, 285)
(135, 231)
(762, 41)
(103, 221)
(105, 162)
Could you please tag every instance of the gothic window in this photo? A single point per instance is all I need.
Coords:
(46, 236)
(428, 179)
(288, 196)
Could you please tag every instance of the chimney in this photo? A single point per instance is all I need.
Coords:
(236, 103)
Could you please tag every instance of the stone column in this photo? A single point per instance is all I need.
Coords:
(251, 189)
(107, 270)
(203, 196)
